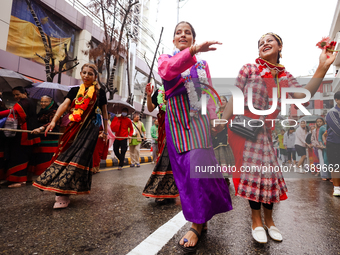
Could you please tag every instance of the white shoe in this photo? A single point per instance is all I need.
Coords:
(336, 192)
(259, 234)
(274, 233)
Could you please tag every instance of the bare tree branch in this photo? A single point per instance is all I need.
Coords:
(151, 72)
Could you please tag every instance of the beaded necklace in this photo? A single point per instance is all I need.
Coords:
(194, 101)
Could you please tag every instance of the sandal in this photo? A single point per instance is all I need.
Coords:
(192, 248)
(17, 185)
(61, 202)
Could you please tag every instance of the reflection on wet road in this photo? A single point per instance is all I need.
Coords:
(115, 218)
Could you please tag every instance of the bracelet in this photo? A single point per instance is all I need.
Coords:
(41, 128)
(105, 133)
(56, 115)
(105, 119)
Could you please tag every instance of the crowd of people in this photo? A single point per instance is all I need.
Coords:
(183, 137)
(308, 142)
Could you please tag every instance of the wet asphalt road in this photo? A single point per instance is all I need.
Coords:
(115, 218)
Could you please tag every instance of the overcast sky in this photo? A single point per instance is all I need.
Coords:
(239, 24)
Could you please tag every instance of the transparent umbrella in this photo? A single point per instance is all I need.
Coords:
(10, 79)
(53, 90)
(116, 106)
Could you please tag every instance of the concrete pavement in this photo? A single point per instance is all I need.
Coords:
(145, 157)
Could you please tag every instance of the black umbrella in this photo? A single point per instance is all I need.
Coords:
(117, 106)
(10, 79)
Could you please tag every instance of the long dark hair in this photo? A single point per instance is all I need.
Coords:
(323, 121)
(291, 128)
(21, 89)
(191, 27)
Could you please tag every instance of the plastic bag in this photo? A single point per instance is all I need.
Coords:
(11, 123)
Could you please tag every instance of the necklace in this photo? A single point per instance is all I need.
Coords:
(277, 67)
(82, 101)
(195, 102)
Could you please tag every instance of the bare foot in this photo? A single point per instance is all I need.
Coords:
(191, 236)
(17, 185)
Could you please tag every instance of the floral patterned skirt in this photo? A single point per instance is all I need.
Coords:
(161, 183)
(71, 172)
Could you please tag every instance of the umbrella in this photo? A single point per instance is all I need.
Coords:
(53, 90)
(309, 118)
(116, 106)
(10, 79)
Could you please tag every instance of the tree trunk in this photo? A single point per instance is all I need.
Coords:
(48, 51)
(113, 70)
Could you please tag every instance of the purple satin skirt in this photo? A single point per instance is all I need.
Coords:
(202, 194)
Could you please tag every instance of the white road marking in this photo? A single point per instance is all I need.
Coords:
(155, 242)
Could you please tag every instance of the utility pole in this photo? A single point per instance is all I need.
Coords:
(178, 9)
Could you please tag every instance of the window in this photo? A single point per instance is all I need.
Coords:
(311, 105)
(327, 87)
(328, 104)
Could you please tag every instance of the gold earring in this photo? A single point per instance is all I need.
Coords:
(280, 54)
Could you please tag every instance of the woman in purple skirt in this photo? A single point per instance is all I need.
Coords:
(186, 79)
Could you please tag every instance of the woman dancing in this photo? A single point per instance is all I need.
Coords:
(71, 170)
(265, 188)
(188, 133)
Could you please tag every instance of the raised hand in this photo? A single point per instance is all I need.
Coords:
(149, 89)
(206, 46)
(327, 57)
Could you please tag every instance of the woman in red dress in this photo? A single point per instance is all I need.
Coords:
(22, 143)
(265, 187)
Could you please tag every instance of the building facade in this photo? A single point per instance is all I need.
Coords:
(320, 103)
(70, 24)
(334, 35)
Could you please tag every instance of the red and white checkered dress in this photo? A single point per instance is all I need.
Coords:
(259, 186)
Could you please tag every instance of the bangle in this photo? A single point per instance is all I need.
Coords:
(105, 133)
(56, 115)
(105, 119)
